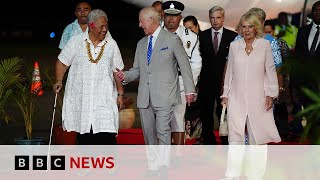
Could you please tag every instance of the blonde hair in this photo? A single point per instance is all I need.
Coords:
(254, 20)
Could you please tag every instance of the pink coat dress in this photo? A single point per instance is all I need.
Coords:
(248, 80)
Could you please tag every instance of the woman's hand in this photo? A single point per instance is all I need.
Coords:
(269, 103)
(120, 102)
(224, 101)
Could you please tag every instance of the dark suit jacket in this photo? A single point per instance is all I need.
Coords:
(302, 41)
(213, 64)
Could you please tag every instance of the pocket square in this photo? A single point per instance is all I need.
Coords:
(164, 48)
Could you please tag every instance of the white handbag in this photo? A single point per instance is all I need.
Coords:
(223, 128)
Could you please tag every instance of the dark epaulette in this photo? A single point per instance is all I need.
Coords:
(186, 31)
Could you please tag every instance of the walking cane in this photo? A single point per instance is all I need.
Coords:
(53, 114)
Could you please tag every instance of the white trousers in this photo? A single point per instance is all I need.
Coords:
(253, 156)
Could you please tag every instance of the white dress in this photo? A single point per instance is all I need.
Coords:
(248, 81)
(90, 97)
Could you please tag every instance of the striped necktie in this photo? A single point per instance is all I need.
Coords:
(149, 50)
(314, 42)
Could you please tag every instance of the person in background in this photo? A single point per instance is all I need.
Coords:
(191, 22)
(93, 93)
(285, 97)
(308, 55)
(214, 48)
(285, 30)
(158, 6)
(80, 25)
(308, 39)
(172, 18)
(192, 115)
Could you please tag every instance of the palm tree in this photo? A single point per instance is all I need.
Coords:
(9, 79)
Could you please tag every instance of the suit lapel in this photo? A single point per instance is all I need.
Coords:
(144, 50)
(223, 40)
(306, 36)
(210, 39)
(157, 45)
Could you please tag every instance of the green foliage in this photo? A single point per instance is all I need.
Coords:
(26, 102)
(312, 114)
(49, 74)
(9, 79)
(305, 72)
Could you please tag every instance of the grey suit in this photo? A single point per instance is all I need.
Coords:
(159, 87)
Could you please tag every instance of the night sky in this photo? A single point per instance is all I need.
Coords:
(44, 17)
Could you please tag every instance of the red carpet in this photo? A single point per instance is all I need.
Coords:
(135, 136)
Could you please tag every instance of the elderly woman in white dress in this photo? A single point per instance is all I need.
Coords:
(93, 93)
(250, 85)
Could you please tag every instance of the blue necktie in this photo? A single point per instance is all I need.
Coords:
(149, 50)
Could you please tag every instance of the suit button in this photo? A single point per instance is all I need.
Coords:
(148, 83)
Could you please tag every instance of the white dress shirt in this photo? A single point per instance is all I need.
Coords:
(311, 36)
(220, 31)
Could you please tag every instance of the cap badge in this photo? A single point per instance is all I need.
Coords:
(171, 6)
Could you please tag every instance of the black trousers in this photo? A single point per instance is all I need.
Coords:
(102, 138)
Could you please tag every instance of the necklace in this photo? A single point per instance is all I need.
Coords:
(99, 55)
(248, 50)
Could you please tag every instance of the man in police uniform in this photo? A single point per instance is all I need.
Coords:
(172, 17)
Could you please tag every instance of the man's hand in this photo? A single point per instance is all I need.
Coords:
(269, 103)
(57, 87)
(190, 98)
(120, 74)
(120, 102)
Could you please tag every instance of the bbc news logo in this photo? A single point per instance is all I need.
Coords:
(59, 162)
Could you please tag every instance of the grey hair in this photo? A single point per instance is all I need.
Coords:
(216, 8)
(151, 12)
(95, 14)
(259, 12)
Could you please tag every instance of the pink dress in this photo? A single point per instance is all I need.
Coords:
(248, 80)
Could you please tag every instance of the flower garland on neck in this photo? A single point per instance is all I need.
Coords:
(99, 55)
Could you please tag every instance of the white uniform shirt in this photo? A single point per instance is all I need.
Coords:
(191, 45)
(90, 94)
